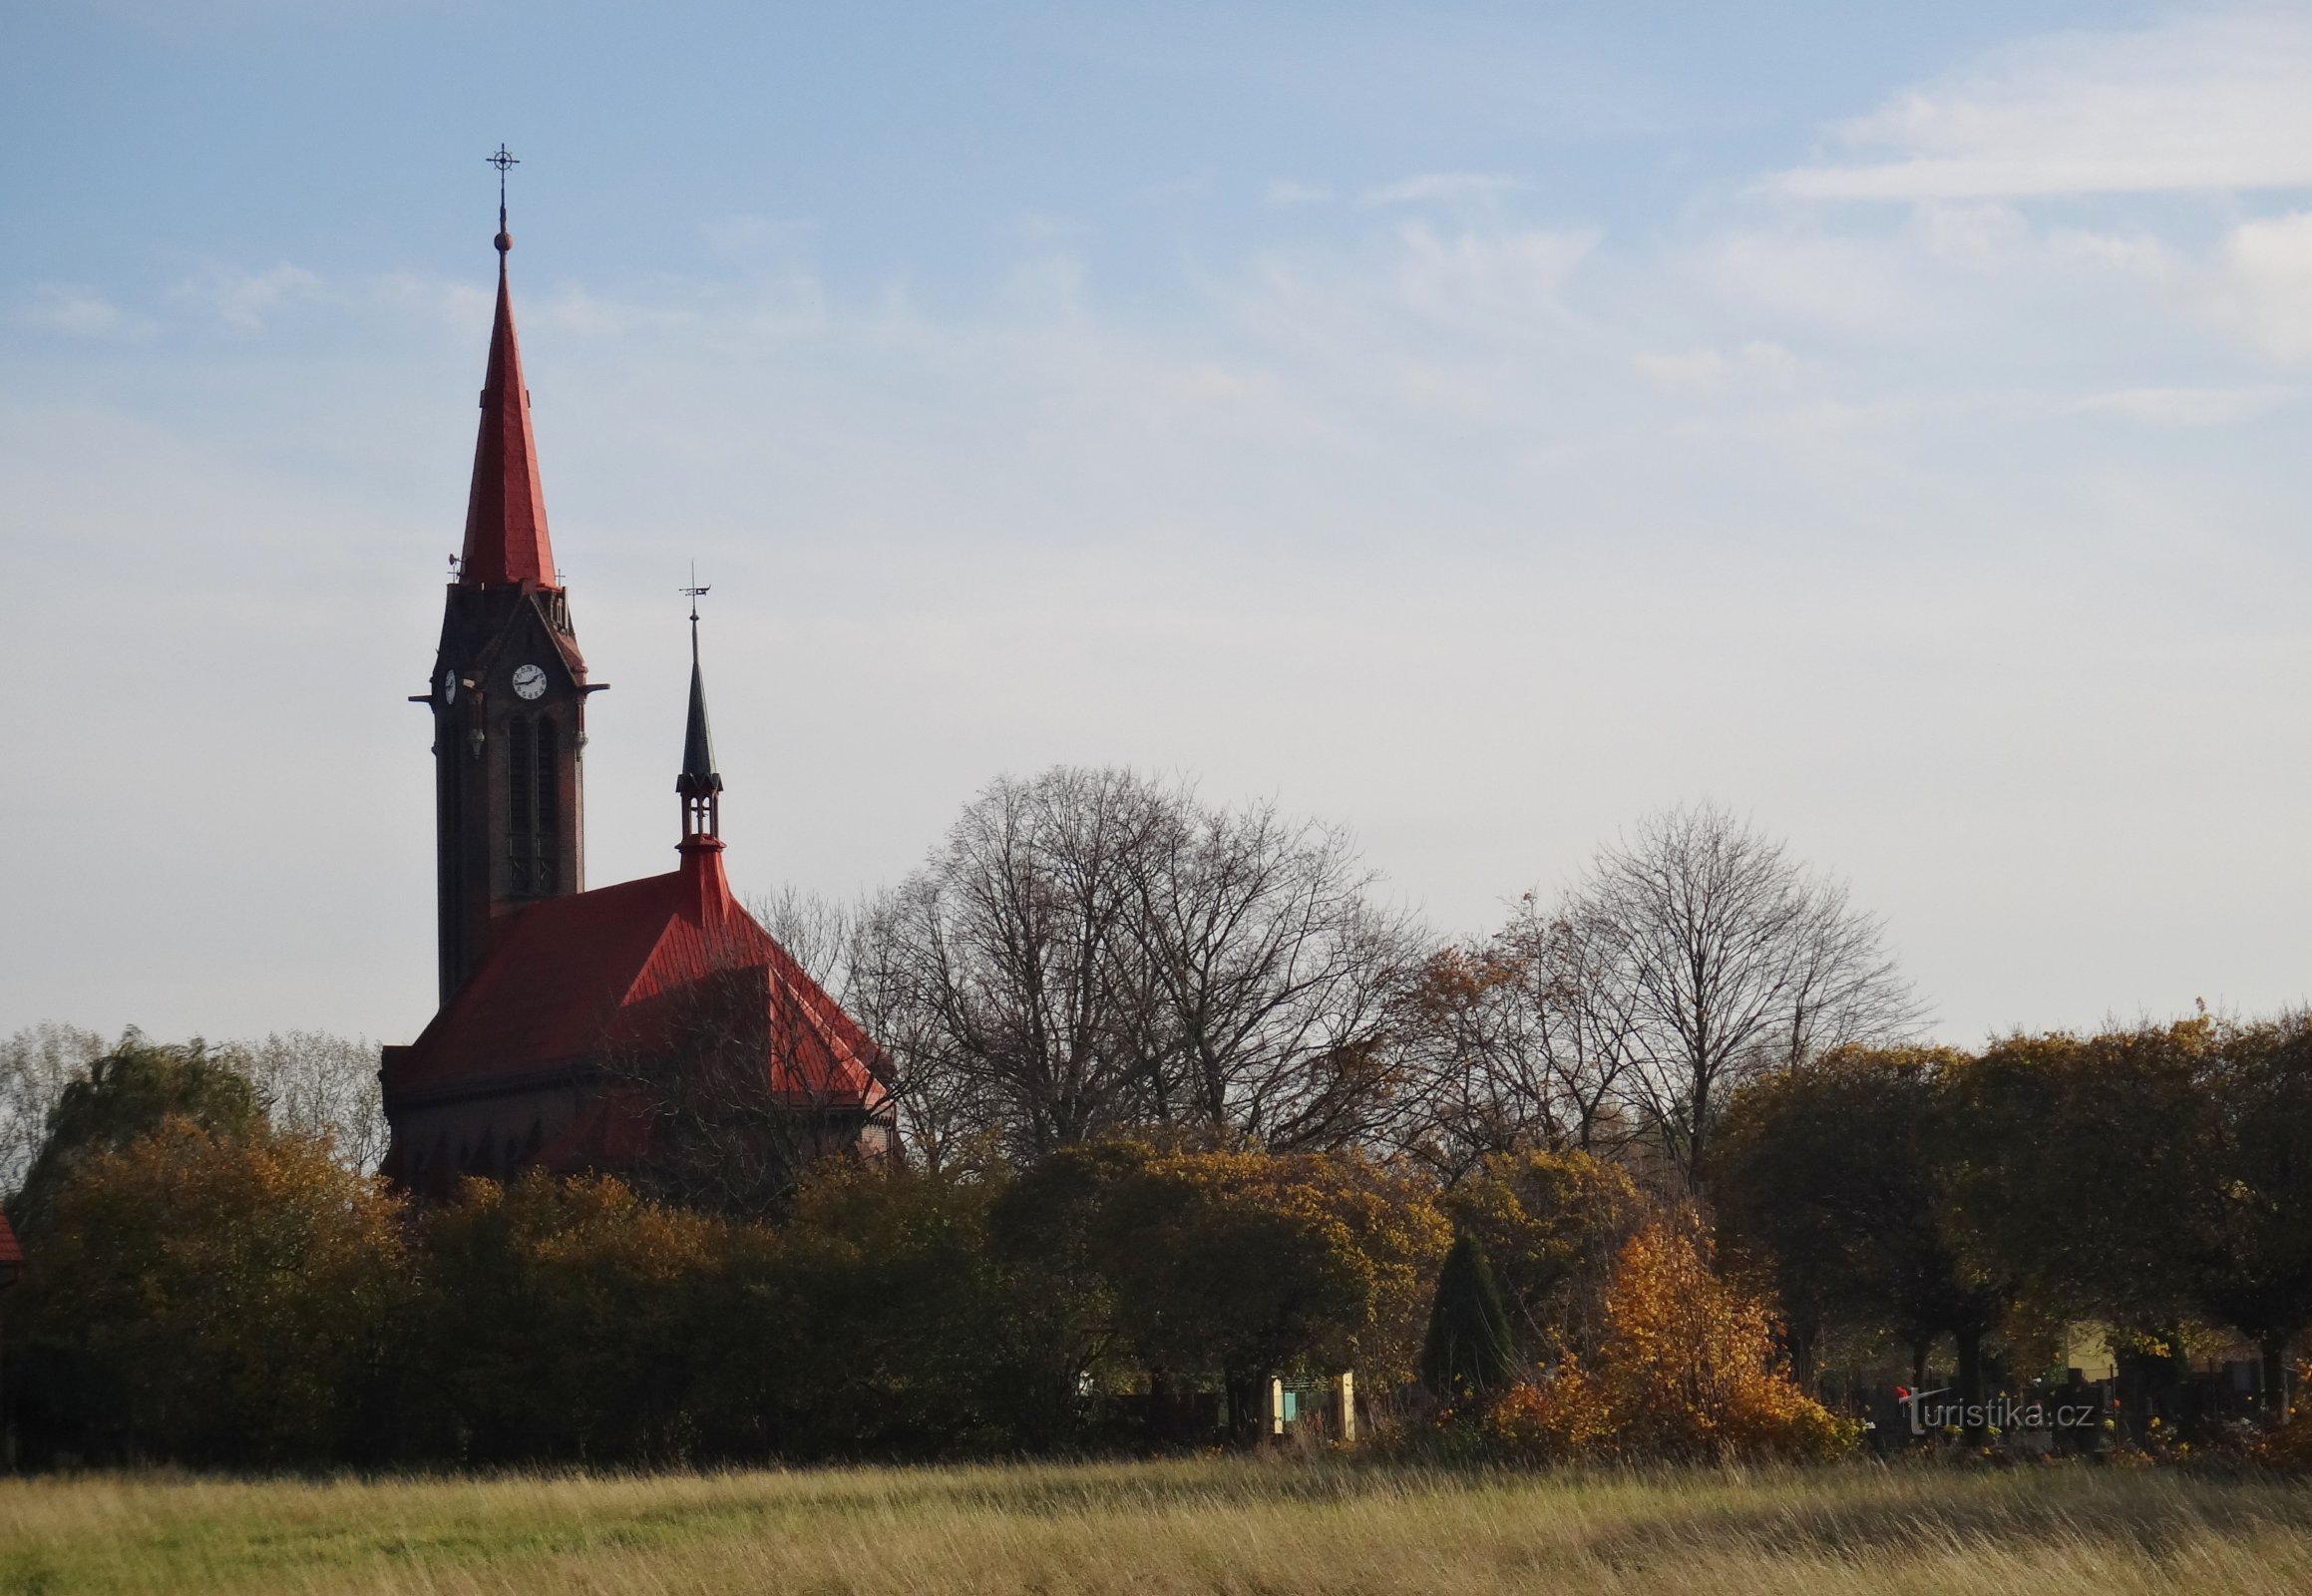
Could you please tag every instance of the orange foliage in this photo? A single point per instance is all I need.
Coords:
(1688, 1370)
(2289, 1447)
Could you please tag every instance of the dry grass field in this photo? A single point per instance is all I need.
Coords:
(1161, 1528)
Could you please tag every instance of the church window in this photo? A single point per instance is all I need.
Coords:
(521, 786)
(546, 810)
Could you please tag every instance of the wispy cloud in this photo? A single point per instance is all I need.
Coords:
(1756, 367)
(2186, 407)
(1442, 186)
(247, 298)
(76, 312)
(2266, 285)
(2204, 102)
(1284, 192)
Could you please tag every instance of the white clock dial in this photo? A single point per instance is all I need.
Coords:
(529, 681)
(449, 686)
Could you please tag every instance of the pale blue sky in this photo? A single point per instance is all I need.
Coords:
(1474, 424)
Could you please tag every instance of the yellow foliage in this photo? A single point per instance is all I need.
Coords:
(227, 1292)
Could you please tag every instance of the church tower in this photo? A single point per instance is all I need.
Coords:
(509, 687)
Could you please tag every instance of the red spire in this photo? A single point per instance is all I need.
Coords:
(505, 538)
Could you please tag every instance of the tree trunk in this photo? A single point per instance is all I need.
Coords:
(1248, 1409)
(2275, 1351)
(1970, 1341)
(1800, 1334)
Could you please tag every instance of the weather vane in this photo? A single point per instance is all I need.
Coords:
(693, 591)
(501, 159)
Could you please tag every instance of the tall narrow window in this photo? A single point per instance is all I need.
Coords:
(520, 789)
(545, 871)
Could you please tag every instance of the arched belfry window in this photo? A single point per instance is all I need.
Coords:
(547, 808)
(532, 806)
(521, 793)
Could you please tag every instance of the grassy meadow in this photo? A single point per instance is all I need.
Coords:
(1222, 1526)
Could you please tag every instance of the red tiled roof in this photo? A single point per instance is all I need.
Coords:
(572, 975)
(11, 1255)
(506, 540)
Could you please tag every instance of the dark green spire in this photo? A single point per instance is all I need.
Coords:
(1469, 1350)
(698, 776)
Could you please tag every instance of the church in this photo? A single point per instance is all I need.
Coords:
(568, 1036)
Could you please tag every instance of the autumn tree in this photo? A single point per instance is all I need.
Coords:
(208, 1295)
(1236, 1266)
(2250, 1254)
(558, 1319)
(876, 1319)
(1687, 1369)
(1526, 1039)
(2078, 1166)
(1551, 1225)
(2154, 1175)
(1838, 1182)
(125, 1095)
(1047, 1228)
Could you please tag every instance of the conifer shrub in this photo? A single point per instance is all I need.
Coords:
(1468, 1352)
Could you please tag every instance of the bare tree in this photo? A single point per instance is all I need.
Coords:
(1093, 950)
(1014, 948)
(36, 1064)
(310, 1081)
(1526, 1039)
(1735, 957)
(820, 933)
(942, 1115)
(1271, 977)
(738, 1080)
(315, 1083)
(853, 951)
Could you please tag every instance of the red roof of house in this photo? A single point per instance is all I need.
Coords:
(506, 542)
(11, 1255)
(572, 977)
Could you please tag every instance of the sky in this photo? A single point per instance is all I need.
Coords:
(1475, 425)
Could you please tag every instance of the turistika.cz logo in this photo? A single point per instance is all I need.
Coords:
(1929, 1417)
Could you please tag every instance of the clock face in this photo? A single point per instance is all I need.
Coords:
(529, 681)
(449, 686)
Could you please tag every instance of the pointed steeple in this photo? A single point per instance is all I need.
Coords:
(506, 542)
(698, 774)
(699, 783)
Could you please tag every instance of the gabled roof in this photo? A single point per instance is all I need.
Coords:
(505, 541)
(572, 976)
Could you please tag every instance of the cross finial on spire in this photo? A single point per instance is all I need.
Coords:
(501, 159)
(693, 591)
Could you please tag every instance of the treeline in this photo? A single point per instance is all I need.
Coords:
(307, 1080)
(1189, 1106)
(209, 1287)
(2154, 1180)
(1093, 953)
